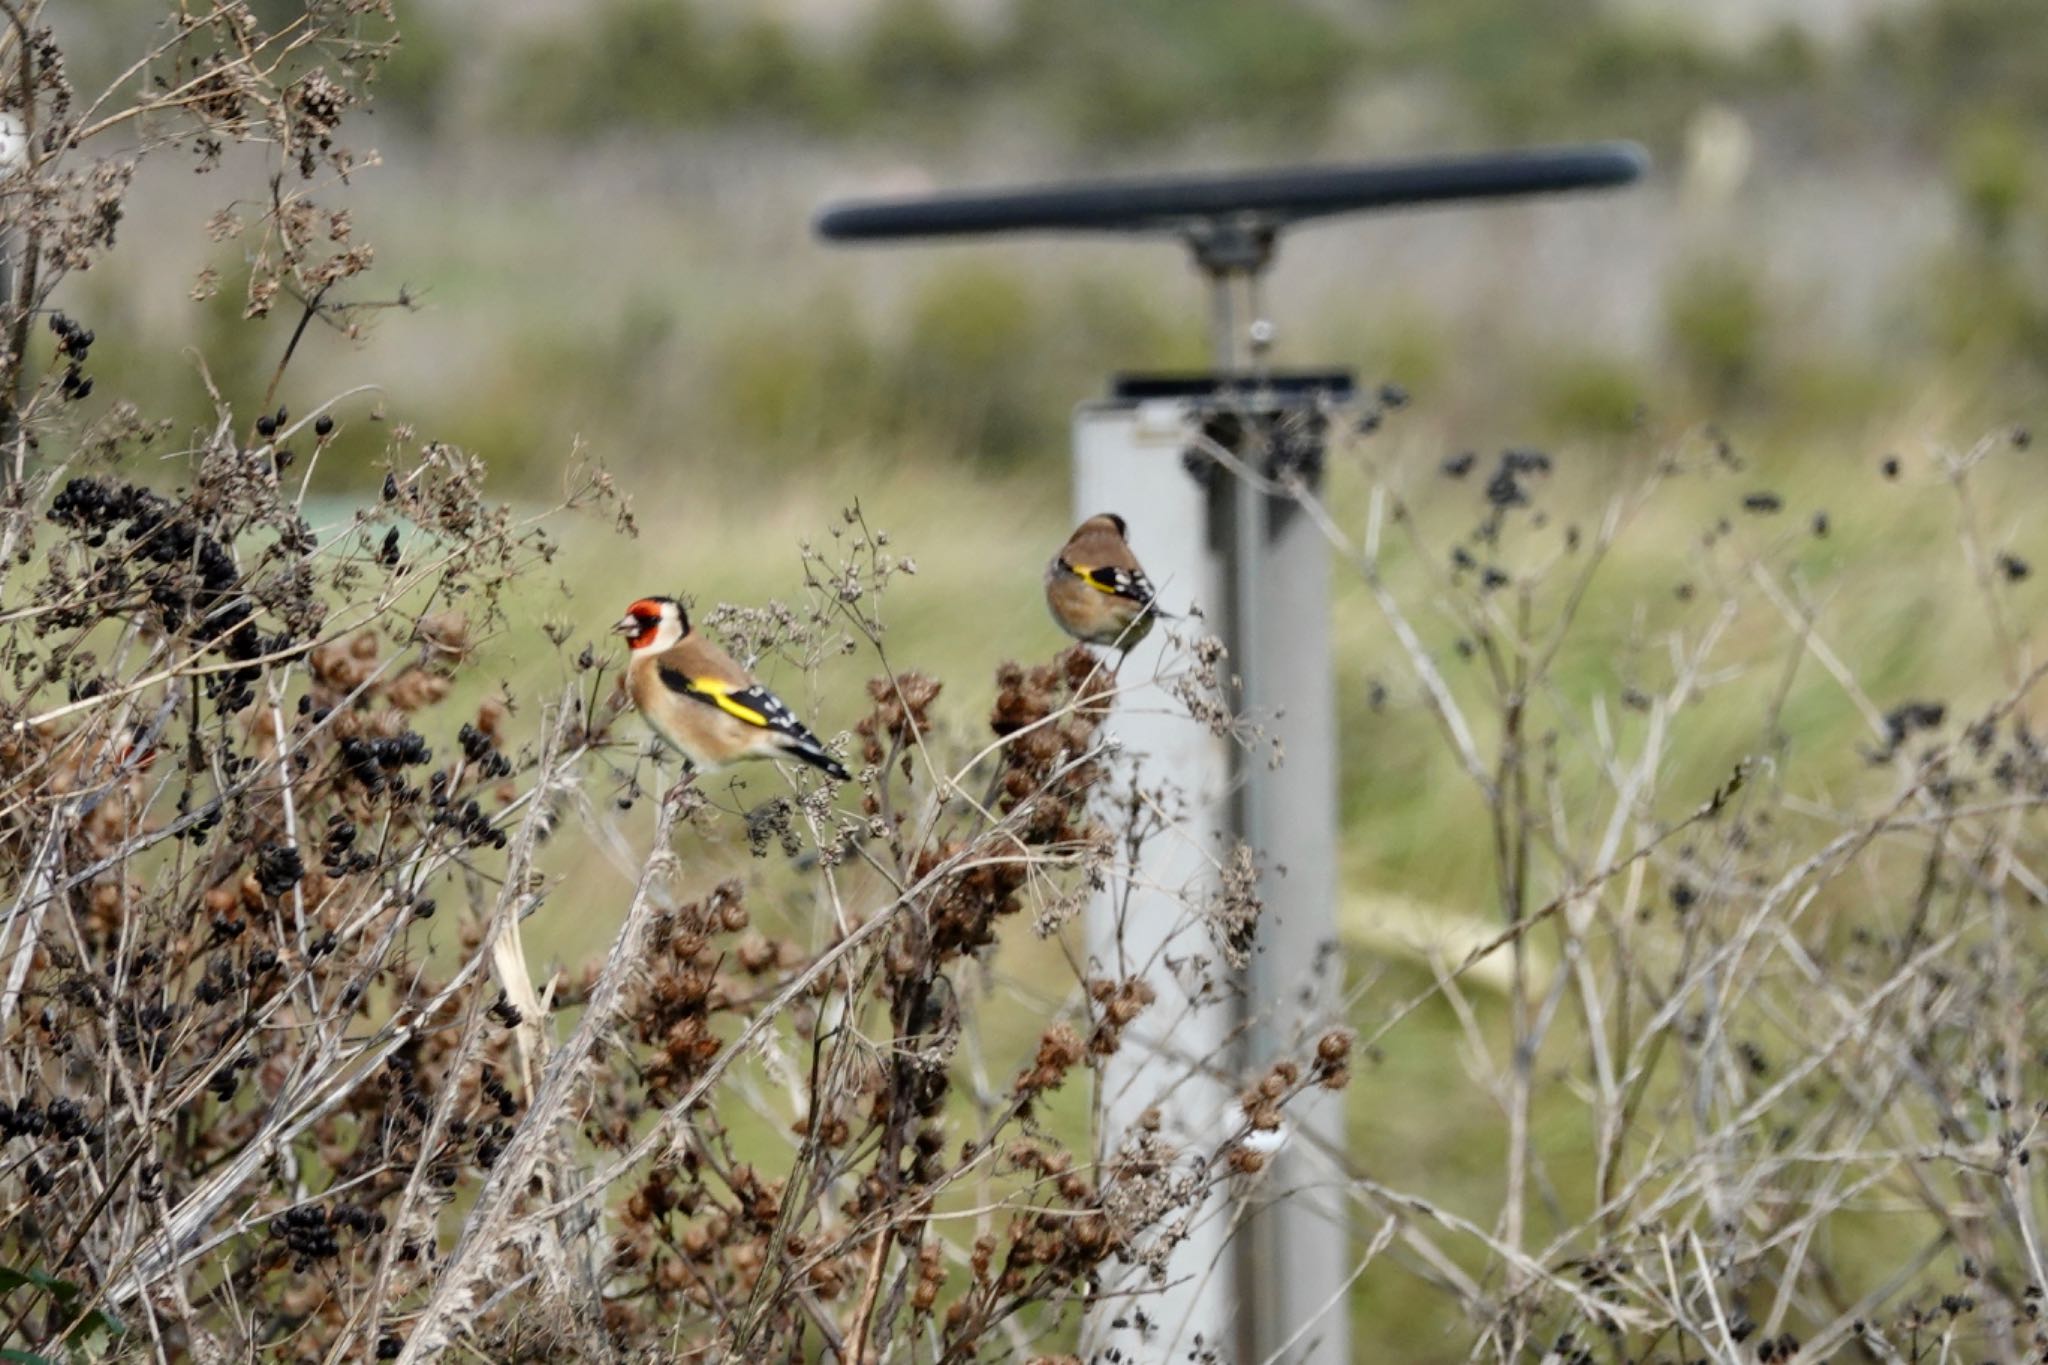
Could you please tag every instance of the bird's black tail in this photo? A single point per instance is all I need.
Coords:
(806, 747)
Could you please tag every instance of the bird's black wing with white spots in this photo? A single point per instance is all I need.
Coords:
(756, 705)
(1117, 582)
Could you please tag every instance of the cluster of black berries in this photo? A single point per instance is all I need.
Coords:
(305, 1232)
(267, 427)
(1504, 489)
(240, 640)
(1908, 718)
(491, 1141)
(204, 825)
(223, 1084)
(90, 504)
(342, 856)
(478, 749)
(22, 1120)
(1392, 398)
(1491, 579)
(495, 1091)
(505, 1012)
(73, 342)
(196, 579)
(412, 1107)
(493, 1137)
(1782, 1347)
(68, 1121)
(1278, 443)
(388, 555)
(217, 983)
(145, 1032)
(469, 821)
(63, 1120)
(278, 869)
(369, 759)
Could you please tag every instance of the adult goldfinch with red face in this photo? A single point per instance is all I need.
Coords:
(1095, 588)
(703, 703)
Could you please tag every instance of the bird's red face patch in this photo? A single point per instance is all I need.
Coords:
(641, 623)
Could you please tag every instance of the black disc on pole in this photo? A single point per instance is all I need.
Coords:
(1268, 198)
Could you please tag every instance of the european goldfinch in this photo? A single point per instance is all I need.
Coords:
(704, 704)
(1095, 588)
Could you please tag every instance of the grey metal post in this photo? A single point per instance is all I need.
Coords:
(1128, 459)
(1259, 568)
(1296, 1250)
(1295, 1253)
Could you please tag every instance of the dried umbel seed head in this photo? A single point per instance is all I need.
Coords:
(1059, 1051)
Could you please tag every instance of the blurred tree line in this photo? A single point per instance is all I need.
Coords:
(1946, 92)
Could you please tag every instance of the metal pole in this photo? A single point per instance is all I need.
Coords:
(1296, 1252)
(1128, 458)
(1222, 322)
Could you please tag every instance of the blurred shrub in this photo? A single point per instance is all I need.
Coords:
(1958, 58)
(1150, 70)
(415, 83)
(1405, 343)
(982, 365)
(913, 51)
(1116, 322)
(1982, 306)
(1993, 165)
(1593, 395)
(1718, 324)
(1571, 67)
(1833, 392)
(1986, 296)
(796, 380)
(971, 359)
(660, 63)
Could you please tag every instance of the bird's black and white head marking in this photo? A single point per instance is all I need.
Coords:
(653, 623)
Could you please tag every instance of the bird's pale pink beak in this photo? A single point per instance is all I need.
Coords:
(628, 626)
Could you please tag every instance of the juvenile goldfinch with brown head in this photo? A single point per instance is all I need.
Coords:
(1095, 588)
(703, 703)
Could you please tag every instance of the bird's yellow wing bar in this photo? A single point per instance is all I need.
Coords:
(741, 703)
(1088, 576)
(731, 700)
